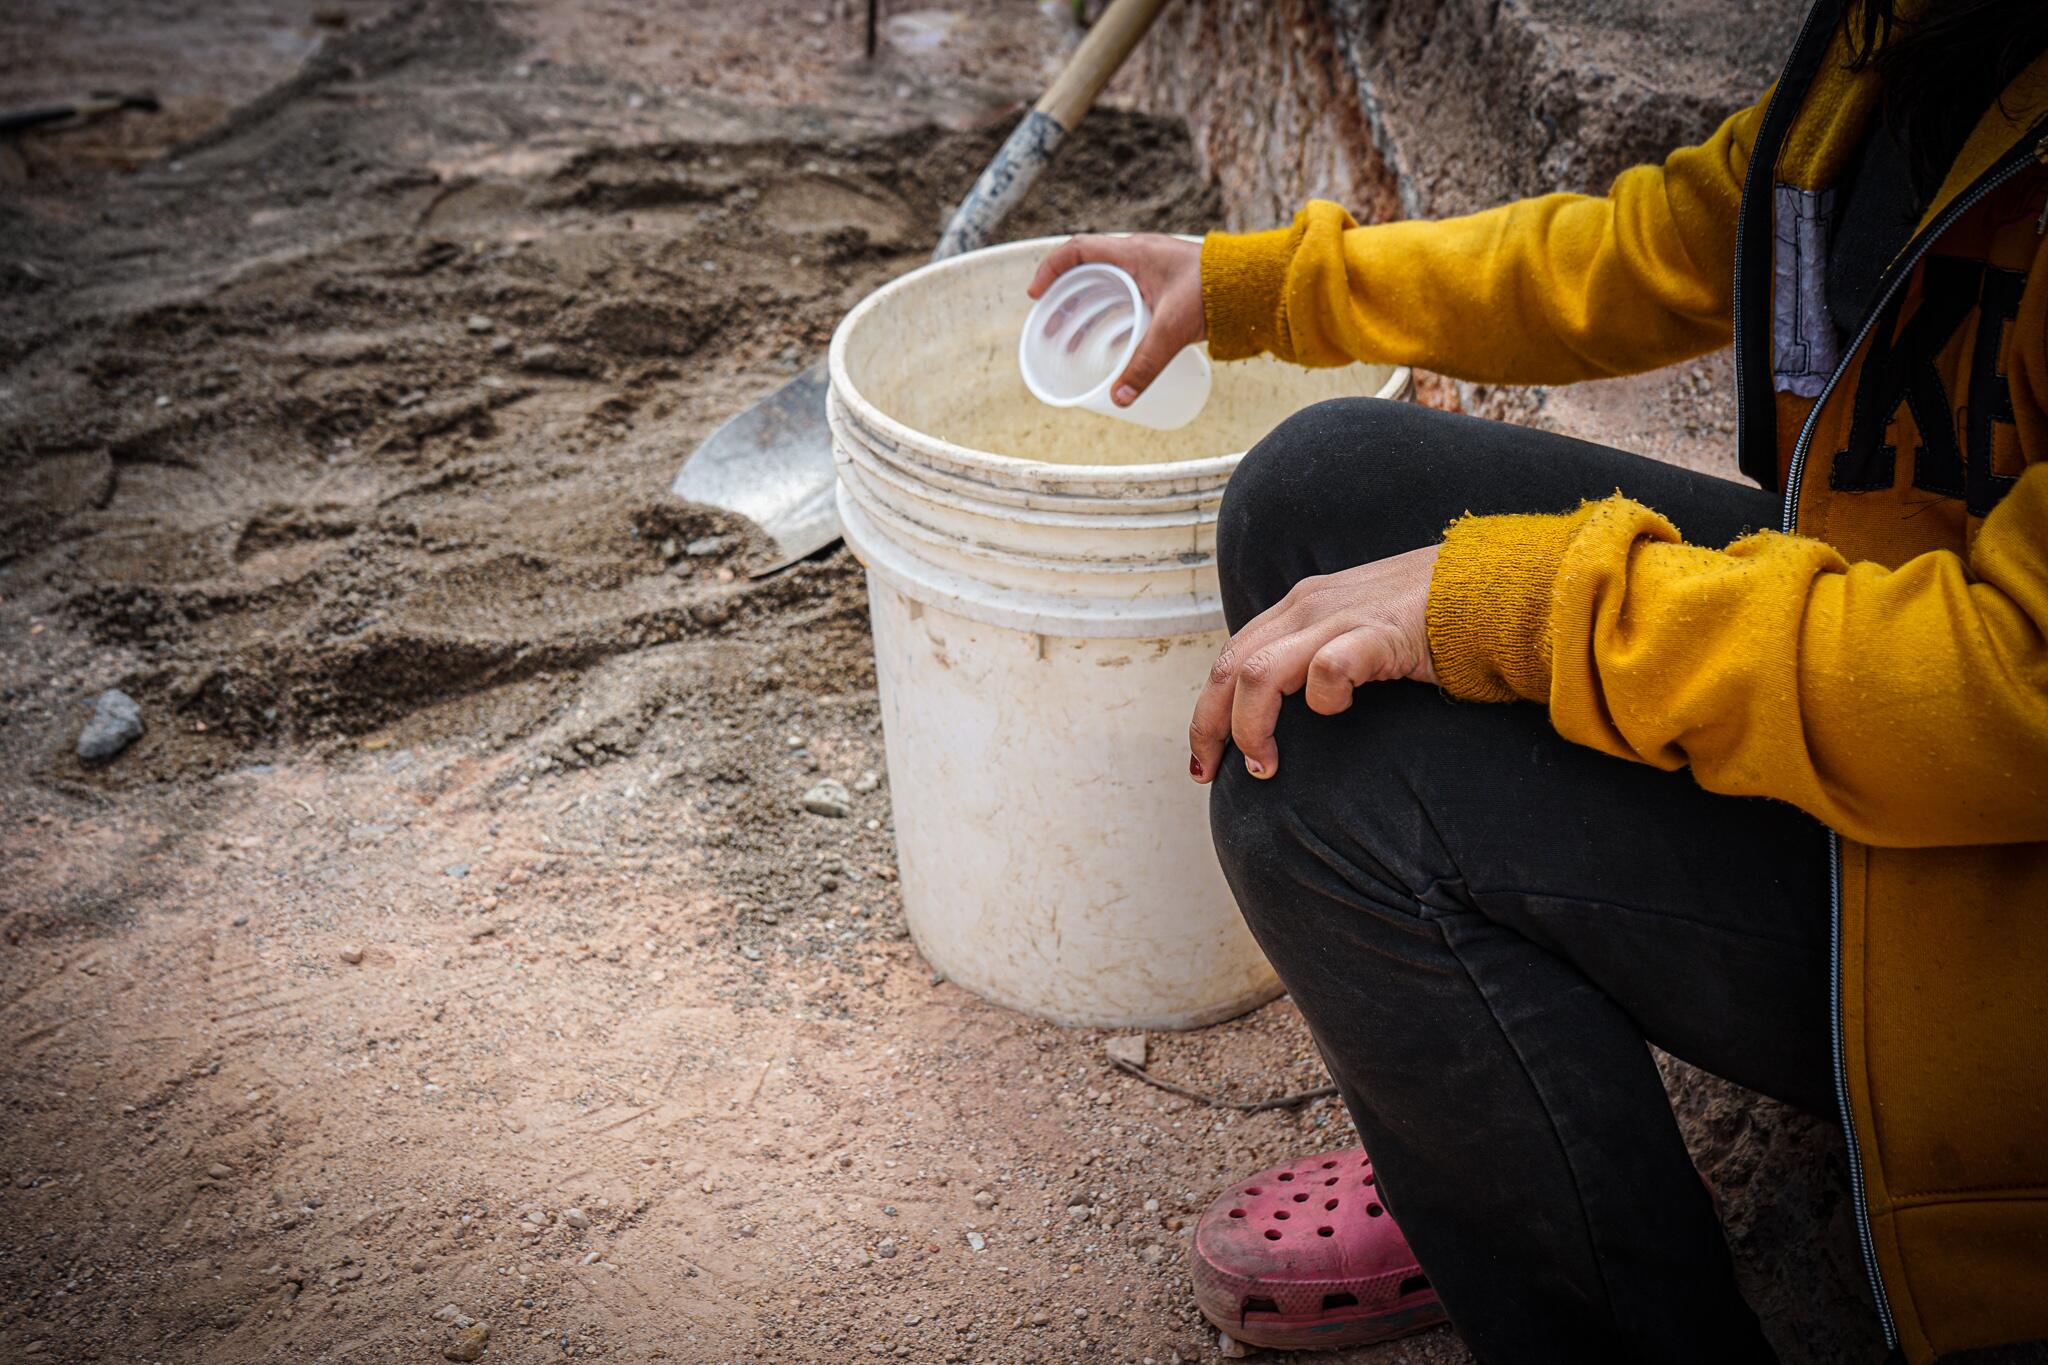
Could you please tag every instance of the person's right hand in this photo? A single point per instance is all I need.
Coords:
(1169, 275)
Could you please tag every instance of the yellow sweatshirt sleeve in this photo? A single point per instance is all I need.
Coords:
(1904, 707)
(1548, 290)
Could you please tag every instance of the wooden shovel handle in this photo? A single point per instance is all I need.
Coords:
(1033, 141)
(1096, 60)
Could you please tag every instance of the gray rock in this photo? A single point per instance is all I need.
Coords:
(829, 798)
(576, 1218)
(116, 723)
(552, 359)
(867, 782)
(479, 324)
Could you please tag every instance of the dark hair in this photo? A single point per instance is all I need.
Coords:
(1941, 70)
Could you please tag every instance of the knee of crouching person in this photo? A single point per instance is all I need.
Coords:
(1284, 478)
(1344, 472)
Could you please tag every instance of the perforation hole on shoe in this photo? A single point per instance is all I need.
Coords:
(1330, 1205)
(1253, 1189)
(1326, 1232)
(1370, 1180)
(1280, 1215)
(1301, 1199)
(1287, 1175)
(1260, 1306)
(1339, 1301)
(1331, 1181)
(1373, 1210)
(1331, 1166)
(1237, 1213)
(1414, 1284)
(1272, 1234)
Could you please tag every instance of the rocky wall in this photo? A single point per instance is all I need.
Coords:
(1413, 108)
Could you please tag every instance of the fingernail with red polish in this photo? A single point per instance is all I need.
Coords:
(1254, 767)
(1194, 767)
(1124, 395)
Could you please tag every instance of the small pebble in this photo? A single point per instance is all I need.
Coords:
(352, 953)
(887, 1248)
(478, 323)
(1128, 1048)
(976, 1242)
(469, 1344)
(828, 798)
(576, 1218)
(867, 782)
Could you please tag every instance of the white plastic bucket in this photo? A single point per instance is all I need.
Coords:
(1044, 601)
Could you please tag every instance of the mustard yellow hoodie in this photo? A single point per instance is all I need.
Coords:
(1882, 663)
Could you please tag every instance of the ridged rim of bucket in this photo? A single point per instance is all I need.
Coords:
(1006, 467)
(847, 431)
(1111, 515)
(1021, 609)
(1094, 564)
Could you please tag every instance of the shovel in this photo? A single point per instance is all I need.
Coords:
(772, 464)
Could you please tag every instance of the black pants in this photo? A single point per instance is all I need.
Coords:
(1482, 923)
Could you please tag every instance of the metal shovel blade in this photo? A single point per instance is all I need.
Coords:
(772, 464)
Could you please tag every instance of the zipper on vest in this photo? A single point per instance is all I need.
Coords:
(1794, 475)
(1770, 139)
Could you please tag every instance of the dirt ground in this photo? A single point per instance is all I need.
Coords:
(451, 947)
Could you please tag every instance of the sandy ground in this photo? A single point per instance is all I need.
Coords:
(451, 947)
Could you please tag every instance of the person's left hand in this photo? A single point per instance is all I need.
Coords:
(1328, 635)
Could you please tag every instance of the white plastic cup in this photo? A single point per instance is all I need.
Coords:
(1081, 334)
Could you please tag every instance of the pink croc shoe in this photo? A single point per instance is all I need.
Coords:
(1305, 1255)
